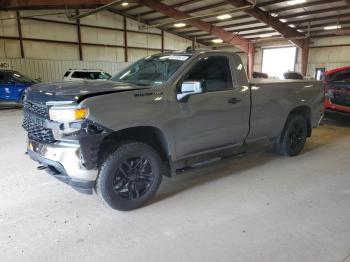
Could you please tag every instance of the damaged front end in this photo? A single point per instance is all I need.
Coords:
(64, 141)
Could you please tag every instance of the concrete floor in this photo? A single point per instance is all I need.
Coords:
(261, 207)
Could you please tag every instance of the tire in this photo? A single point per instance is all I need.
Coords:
(130, 176)
(293, 137)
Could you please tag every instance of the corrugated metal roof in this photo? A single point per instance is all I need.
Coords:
(312, 12)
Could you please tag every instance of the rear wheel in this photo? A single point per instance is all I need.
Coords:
(293, 137)
(130, 176)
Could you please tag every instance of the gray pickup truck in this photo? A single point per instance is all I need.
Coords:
(164, 113)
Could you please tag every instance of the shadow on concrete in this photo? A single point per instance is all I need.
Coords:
(337, 120)
(9, 107)
(212, 172)
(333, 128)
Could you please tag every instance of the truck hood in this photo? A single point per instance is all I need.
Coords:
(75, 90)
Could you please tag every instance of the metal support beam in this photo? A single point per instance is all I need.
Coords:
(125, 33)
(251, 55)
(20, 36)
(35, 4)
(305, 56)
(273, 22)
(219, 32)
(162, 41)
(79, 36)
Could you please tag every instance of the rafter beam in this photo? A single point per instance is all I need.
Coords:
(193, 10)
(347, 2)
(35, 4)
(219, 32)
(325, 10)
(273, 22)
(267, 30)
(272, 2)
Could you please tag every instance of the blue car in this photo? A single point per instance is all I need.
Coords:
(13, 85)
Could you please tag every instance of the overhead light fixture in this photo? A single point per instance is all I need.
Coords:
(300, 31)
(217, 41)
(283, 20)
(125, 4)
(292, 26)
(332, 27)
(295, 2)
(179, 25)
(274, 14)
(265, 35)
(223, 17)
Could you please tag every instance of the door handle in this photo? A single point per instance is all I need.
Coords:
(234, 100)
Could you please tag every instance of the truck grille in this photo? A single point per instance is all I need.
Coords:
(36, 109)
(34, 117)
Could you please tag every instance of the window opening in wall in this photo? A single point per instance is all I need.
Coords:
(277, 61)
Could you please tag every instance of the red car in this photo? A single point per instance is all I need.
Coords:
(337, 91)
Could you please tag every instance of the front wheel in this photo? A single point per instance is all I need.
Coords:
(293, 137)
(130, 176)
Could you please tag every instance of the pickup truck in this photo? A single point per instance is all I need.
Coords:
(161, 115)
(337, 91)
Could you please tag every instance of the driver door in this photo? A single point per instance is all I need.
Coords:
(217, 117)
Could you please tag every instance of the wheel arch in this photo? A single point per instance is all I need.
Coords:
(150, 135)
(303, 110)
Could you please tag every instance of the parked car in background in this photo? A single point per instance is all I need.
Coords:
(12, 86)
(85, 74)
(337, 91)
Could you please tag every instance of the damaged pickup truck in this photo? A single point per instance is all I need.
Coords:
(162, 114)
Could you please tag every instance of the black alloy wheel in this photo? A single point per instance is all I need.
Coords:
(133, 178)
(130, 176)
(293, 137)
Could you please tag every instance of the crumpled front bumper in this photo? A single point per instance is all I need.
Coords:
(63, 161)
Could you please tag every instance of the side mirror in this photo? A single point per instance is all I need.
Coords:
(189, 88)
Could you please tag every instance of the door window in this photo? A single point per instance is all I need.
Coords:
(213, 71)
(81, 74)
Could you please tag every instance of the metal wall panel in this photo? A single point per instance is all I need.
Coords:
(112, 54)
(49, 30)
(46, 50)
(143, 40)
(105, 19)
(174, 42)
(10, 48)
(8, 27)
(134, 25)
(101, 36)
(53, 70)
(51, 14)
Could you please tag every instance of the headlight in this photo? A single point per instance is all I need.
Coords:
(67, 114)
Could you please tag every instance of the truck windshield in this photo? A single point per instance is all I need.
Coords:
(152, 70)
